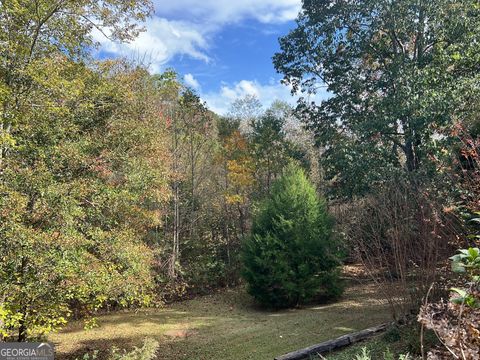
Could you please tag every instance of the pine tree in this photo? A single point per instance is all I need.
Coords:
(291, 256)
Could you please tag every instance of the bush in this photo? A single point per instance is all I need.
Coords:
(291, 255)
(401, 234)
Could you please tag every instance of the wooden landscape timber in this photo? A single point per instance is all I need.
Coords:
(327, 346)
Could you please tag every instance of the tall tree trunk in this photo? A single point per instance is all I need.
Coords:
(175, 247)
(192, 179)
(22, 329)
(242, 220)
(412, 160)
(176, 203)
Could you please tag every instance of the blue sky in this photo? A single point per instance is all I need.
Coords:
(222, 48)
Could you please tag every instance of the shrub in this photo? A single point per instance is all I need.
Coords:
(291, 254)
(401, 234)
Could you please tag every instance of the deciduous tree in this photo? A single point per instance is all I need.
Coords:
(393, 70)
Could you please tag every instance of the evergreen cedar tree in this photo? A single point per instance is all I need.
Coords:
(290, 256)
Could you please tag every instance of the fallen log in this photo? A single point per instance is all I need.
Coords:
(330, 345)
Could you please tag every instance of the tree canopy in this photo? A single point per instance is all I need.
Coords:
(397, 73)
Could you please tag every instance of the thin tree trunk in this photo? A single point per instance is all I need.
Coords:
(192, 178)
(411, 155)
(176, 206)
(22, 330)
(242, 220)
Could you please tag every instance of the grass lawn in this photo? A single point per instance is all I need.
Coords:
(225, 326)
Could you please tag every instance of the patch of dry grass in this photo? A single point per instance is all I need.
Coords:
(225, 326)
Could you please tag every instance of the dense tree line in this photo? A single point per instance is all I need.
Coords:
(118, 187)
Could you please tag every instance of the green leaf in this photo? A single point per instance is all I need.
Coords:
(472, 302)
(458, 267)
(474, 252)
(457, 300)
(456, 56)
(473, 236)
(460, 292)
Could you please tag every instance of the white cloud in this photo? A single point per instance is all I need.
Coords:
(221, 100)
(162, 40)
(198, 22)
(191, 81)
(228, 11)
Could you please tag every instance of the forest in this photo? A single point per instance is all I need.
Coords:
(137, 223)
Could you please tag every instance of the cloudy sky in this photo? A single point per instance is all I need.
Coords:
(221, 48)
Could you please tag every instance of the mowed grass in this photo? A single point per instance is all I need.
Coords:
(226, 325)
